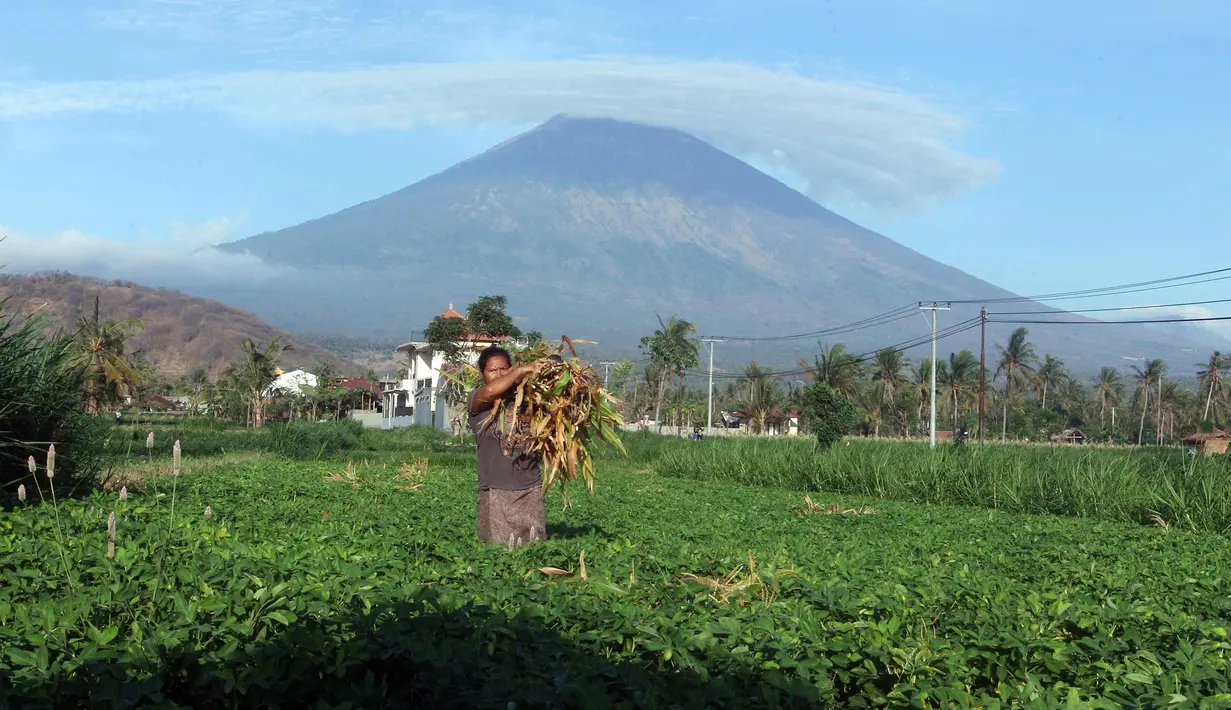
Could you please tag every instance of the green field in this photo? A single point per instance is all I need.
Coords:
(315, 582)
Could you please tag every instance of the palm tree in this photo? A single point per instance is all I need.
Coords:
(98, 351)
(1017, 360)
(870, 402)
(836, 366)
(753, 375)
(1211, 378)
(764, 397)
(1051, 373)
(922, 378)
(1144, 378)
(1109, 390)
(889, 369)
(959, 379)
(673, 347)
(1173, 401)
(254, 373)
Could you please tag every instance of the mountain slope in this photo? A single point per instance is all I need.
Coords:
(591, 226)
(181, 332)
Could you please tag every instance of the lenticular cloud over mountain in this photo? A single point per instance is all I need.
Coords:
(853, 144)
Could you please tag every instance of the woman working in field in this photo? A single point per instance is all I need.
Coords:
(511, 508)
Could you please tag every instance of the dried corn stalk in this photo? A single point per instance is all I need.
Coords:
(557, 413)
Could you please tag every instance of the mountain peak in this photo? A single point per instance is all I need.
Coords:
(597, 223)
(614, 154)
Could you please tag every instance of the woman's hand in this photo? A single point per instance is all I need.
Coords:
(485, 397)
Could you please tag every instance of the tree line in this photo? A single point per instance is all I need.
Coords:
(1026, 396)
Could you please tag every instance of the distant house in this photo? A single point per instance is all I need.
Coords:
(414, 399)
(1208, 442)
(291, 382)
(1069, 436)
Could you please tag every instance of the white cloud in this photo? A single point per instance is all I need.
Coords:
(213, 231)
(1221, 327)
(154, 261)
(853, 144)
(312, 30)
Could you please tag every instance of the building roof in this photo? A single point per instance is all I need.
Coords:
(358, 383)
(1201, 436)
(450, 313)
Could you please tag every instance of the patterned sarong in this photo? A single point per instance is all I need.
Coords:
(512, 518)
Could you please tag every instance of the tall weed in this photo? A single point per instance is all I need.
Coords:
(41, 405)
(1128, 485)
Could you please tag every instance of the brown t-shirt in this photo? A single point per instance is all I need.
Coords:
(516, 471)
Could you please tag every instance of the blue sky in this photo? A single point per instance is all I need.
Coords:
(1042, 146)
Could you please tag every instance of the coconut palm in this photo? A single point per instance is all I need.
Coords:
(870, 403)
(836, 366)
(253, 374)
(890, 368)
(922, 379)
(1211, 378)
(1050, 374)
(764, 397)
(674, 347)
(1174, 401)
(98, 350)
(1145, 377)
(1109, 390)
(959, 378)
(753, 375)
(1017, 360)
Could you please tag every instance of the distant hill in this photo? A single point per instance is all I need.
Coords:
(182, 332)
(591, 226)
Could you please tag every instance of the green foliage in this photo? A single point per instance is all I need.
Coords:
(307, 587)
(827, 415)
(444, 334)
(486, 316)
(296, 440)
(1121, 485)
(313, 440)
(40, 403)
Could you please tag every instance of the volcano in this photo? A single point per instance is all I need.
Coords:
(591, 226)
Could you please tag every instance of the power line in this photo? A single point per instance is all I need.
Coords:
(1106, 310)
(1114, 322)
(869, 322)
(1138, 287)
(863, 357)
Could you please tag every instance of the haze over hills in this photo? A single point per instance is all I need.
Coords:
(591, 226)
(181, 332)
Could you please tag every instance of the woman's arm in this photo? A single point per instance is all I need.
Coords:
(486, 396)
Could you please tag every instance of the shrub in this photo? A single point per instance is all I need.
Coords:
(311, 440)
(40, 405)
(828, 415)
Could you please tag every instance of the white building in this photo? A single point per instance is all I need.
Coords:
(291, 382)
(414, 400)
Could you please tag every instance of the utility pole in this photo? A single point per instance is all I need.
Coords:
(709, 416)
(1158, 439)
(933, 307)
(982, 371)
(606, 370)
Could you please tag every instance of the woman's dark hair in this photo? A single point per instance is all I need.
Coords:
(490, 352)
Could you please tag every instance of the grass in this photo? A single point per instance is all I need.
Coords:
(1142, 486)
(357, 578)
